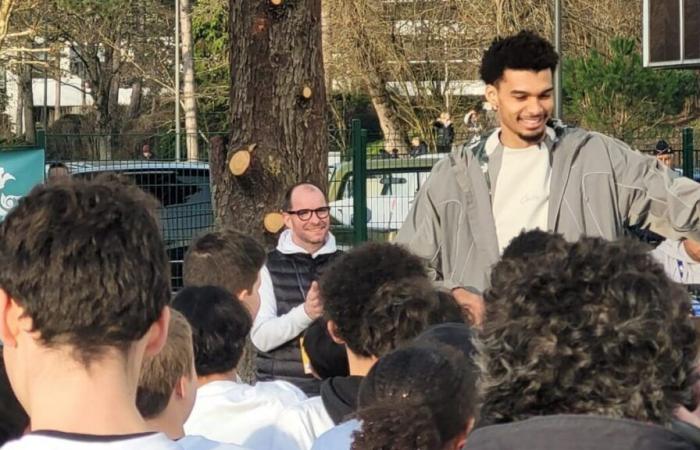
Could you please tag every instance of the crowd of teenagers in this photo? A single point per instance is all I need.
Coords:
(477, 330)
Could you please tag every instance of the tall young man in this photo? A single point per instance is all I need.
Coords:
(84, 290)
(532, 174)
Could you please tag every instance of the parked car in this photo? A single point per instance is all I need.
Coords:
(392, 185)
(182, 188)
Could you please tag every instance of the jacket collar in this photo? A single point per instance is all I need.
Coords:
(286, 245)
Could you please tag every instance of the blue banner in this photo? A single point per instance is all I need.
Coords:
(20, 171)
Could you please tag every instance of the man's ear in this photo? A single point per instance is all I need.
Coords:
(158, 333)
(287, 219)
(492, 96)
(10, 315)
(333, 332)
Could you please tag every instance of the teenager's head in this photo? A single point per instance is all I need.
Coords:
(13, 419)
(596, 329)
(401, 310)
(518, 72)
(229, 259)
(326, 357)
(83, 275)
(219, 328)
(168, 379)
(420, 396)
(350, 284)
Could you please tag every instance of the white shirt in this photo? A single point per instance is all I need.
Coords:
(270, 331)
(339, 437)
(202, 443)
(521, 194)
(679, 266)
(235, 413)
(51, 440)
(299, 425)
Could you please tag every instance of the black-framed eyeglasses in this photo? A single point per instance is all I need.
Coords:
(305, 214)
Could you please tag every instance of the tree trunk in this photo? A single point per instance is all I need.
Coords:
(27, 95)
(275, 52)
(394, 136)
(135, 100)
(57, 91)
(189, 99)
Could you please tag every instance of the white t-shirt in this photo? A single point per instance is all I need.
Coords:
(202, 443)
(339, 437)
(679, 266)
(236, 413)
(299, 425)
(55, 440)
(521, 194)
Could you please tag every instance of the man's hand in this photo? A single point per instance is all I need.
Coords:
(472, 305)
(313, 306)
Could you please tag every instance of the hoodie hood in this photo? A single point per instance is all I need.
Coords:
(286, 245)
(339, 396)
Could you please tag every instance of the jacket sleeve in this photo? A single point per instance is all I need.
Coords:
(651, 195)
(421, 234)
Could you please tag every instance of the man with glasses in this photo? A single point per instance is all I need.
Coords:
(289, 295)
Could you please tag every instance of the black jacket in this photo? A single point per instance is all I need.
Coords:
(291, 275)
(576, 432)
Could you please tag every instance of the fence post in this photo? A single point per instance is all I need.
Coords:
(359, 182)
(40, 138)
(688, 153)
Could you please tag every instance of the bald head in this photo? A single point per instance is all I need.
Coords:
(304, 189)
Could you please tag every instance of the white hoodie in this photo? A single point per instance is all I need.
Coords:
(338, 437)
(238, 413)
(55, 440)
(679, 266)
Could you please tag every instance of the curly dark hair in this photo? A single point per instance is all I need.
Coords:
(220, 325)
(596, 329)
(523, 51)
(417, 397)
(400, 311)
(87, 262)
(351, 281)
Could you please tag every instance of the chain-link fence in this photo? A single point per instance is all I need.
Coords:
(149, 161)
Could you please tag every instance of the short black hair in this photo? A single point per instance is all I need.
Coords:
(349, 285)
(220, 325)
(86, 261)
(419, 396)
(13, 418)
(287, 201)
(226, 258)
(523, 51)
(327, 357)
(662, 148)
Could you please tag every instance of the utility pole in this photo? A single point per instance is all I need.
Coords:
(558, 91)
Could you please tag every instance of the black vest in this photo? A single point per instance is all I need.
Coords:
(291, 275)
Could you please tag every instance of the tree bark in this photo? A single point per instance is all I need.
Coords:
(135, 100)
(25, 87)
(57, 90)
(275, 52)
(188, 94)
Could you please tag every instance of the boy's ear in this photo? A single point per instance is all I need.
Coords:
(333, 332)
(10, 317)
(158, 333)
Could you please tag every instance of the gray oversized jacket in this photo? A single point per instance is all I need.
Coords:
(599, 185)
